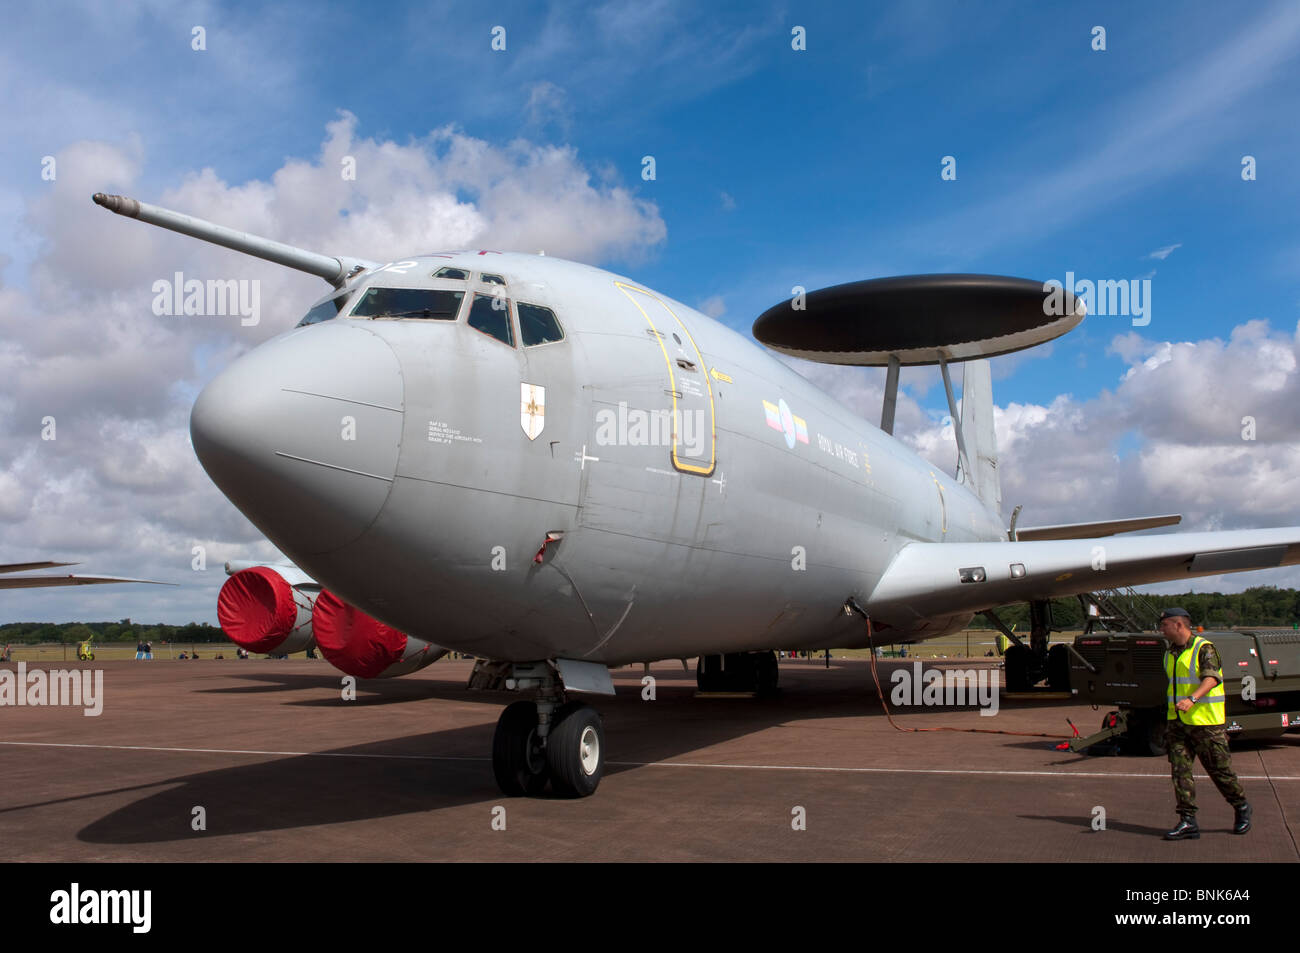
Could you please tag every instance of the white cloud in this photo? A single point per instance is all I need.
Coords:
(713, 306)
(548, 106)
(1165, 252)
(1167, 439)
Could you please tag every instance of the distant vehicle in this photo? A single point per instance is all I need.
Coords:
(86, 651)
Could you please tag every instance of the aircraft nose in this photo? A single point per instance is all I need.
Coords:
(303, 433)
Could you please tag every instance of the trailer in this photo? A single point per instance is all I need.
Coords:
(1261, 679)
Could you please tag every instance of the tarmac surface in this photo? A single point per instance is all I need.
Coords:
(284, 769)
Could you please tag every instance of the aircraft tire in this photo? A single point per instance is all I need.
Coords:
(768, 673)
(1016, 668)
(1146, 735)
(575, 750)
(1058, 668)
(519, 763)
(708, 677)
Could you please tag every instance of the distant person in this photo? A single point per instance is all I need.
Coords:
(139, 650)
(182, 656)
(195, 655)
(148, 650)
(828, 658)
(311, 651)
(8, 655)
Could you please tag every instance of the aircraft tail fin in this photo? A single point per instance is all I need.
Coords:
(977, 431)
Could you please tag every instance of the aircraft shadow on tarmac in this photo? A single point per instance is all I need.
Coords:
(342, 785)
(373, 691)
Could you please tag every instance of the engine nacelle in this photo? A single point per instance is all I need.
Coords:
(359, 645)
(267, 609)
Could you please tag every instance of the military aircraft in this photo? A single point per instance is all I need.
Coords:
(557, 469)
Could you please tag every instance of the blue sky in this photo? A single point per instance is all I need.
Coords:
(1067, 158)
(774, 167)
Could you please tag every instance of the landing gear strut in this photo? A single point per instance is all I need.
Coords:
(1027, 665)
(547, 741)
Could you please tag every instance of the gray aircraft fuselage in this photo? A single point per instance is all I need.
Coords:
(701, 496)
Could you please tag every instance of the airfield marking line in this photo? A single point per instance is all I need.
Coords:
(1042, 774)
(646, 764)
(301, 754)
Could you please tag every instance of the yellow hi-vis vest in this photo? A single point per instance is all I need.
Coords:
(1182, 670)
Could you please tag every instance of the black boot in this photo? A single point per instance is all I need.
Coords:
(1243, 820)
(1186, 829)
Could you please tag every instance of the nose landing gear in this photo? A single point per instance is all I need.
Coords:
(547, 741)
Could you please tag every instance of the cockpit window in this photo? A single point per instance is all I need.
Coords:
(439, 304)
(460, 274)
(537, 325)
(491, 279)
(324, 311)
(491, 315)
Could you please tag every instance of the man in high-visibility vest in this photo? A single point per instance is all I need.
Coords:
(1195, 702)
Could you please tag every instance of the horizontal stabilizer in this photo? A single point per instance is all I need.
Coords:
(1103, 528)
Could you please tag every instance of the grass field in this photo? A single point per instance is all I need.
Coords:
(109, 651)
(971, 643)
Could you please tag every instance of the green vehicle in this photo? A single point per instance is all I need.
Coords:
(1261, 678)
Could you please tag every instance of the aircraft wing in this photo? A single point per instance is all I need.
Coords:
(931, 579)
(22, 567)
(35, 582)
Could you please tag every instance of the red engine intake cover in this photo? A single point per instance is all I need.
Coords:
(352, 641)
(256, 609)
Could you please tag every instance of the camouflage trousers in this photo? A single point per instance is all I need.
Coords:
(1185, 744)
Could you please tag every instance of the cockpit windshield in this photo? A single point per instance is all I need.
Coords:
(439, 304)
(325, 310)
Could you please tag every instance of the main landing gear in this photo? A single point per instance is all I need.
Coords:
(1025, 666)
(738, 672)
(547, 741)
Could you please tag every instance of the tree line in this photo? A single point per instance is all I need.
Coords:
(124, 630)
(1264, 606)
(1257, 606)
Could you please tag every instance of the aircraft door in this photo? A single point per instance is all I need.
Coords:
(693, 422)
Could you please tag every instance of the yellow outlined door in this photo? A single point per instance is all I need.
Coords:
(694, 427)
(943, 506)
